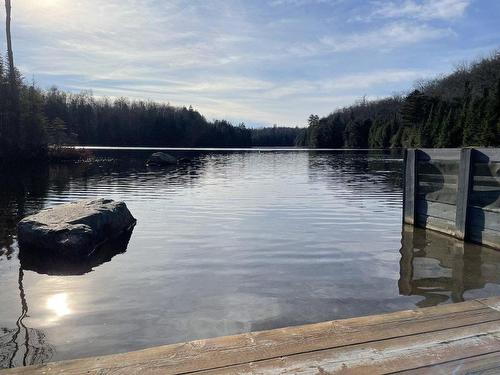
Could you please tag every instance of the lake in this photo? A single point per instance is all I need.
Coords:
(231, 242)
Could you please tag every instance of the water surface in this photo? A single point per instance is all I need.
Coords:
(231, 242)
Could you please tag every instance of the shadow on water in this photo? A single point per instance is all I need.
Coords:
(442, 269)
(23, 346)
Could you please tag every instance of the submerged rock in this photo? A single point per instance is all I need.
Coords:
(49, 263)
(161, 159)
(75, 229)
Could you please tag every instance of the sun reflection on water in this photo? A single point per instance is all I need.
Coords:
(58, 303)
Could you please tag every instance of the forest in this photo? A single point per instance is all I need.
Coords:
(32, 119)
(53, 117)
(460, 109)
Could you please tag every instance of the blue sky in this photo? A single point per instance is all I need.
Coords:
(257, 61)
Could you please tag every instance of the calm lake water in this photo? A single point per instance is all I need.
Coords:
(231, 242)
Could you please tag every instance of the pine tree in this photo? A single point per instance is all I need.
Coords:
(490, 126)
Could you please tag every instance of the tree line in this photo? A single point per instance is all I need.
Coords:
(55, 117)
(31, 119)
(461, 109)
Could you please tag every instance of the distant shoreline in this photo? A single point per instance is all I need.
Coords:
(144, 148)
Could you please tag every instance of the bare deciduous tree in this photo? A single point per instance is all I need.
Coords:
(10, 56)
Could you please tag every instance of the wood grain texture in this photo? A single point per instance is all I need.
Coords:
(435, 209)
(487, 200)
(491, 170)
(487, 155)
(484, 236)
(382, 357)
(442, 196)
(436, 224)
(464, 183)
(484, 218)
(484, 364)
(439, 168)
(439, 154)
(410, 185)
(374, 344)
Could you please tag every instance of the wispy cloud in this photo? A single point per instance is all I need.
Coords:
(265, 61)
(302, 2)
(422, 10)
(388, 37)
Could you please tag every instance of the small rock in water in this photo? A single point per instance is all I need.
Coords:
(75, 229)
(161, 159)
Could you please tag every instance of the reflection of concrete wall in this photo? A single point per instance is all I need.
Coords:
(441, 268)
(454, 191)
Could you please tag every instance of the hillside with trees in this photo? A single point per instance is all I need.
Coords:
(461, 109)
(31, 119)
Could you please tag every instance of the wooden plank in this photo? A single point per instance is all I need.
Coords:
(489, 181)
(484, 236)
(436, 209)
(464, 182)
(382, 357)
(425, 187)
(487, 200)
(487, 219)
(491, 302)
(439, 154)
(410, 183)
(439, 167)
(484, 364)
(449, 179)
(443, 196)
(265, 345)
(488, 154)
(487, 169)
(434, 223)
(406, 261)
(487, 188)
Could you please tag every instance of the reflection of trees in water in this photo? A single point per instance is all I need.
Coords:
(441, 268)
(357, 169)
(25, 190)
(22, 191)
(23, 346)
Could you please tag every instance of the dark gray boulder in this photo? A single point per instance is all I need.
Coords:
(161, 159)
(50, 263)
(75, 229)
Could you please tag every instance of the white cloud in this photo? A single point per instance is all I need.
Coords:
(388, 37)
(229, 59)
(301, 2)
(422, 10)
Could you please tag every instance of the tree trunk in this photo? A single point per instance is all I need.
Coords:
(10, 54)
(14, 90)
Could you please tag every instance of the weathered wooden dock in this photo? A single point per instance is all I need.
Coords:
(454, 191)
(457, 338)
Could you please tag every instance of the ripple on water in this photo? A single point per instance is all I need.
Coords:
(231, 242)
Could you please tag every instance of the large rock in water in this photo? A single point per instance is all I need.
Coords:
(161, 159)
(75, 229)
